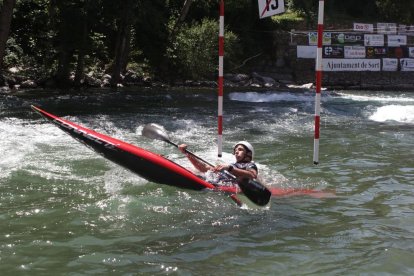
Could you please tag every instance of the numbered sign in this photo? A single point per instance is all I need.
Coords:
(271, 7)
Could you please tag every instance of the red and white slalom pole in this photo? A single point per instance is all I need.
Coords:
(318, 69)
(220, 81)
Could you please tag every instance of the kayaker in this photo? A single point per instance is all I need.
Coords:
(244, 167)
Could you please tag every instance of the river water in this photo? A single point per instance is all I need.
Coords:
(66, 210)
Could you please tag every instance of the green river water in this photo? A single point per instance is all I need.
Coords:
(64, 210)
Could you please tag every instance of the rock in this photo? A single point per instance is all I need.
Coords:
(92, 81)
(132, 77)
(307, 86)
(106, 77)
(106, 82)
(10, 80)
(28, 84)
(5, 90)
(236, 77)
(15, 70)
(264, 81)
(147, 80)
(208, 84)
(255, 85)
(72, 76)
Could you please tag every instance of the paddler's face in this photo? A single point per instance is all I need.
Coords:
(239, 153)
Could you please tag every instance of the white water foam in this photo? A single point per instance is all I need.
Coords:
(378, 98)
(398, 113)
(117, 178)
(256, 97)
(30, 145)
(17, 140)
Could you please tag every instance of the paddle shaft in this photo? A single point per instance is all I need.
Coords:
(254, 190)
(201, 159)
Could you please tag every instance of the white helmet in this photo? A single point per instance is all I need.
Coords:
(247, 145)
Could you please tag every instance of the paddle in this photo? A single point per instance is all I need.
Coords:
(254, 190)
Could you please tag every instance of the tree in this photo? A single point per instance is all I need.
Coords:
(400, 11)
(5, 22)
(69, 27)
(123, 41)
(181, 18)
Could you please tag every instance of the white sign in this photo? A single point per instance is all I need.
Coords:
(373, 40)
(407, 64)
(387, 28)
(397, 40)
(313, 38)
(406, 29)
(361, 27)
(304, 51)
(354, 52)
(271, 7)
(389, 64)
(340, 64)
(411, 52)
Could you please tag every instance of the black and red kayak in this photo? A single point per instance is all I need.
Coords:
(158, 169)
(151, 166)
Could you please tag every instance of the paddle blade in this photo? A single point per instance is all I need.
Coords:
(255, 191)
(154, 131)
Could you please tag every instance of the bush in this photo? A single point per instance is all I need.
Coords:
(13, 54)
(195, 50)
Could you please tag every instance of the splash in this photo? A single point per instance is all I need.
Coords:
(398, 113)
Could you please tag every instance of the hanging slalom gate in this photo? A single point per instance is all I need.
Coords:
(220, 80)
(318, 69)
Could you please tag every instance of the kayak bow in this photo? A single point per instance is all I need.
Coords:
(146, 164)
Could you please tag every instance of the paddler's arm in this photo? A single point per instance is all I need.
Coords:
(249, 173)
(202, 167)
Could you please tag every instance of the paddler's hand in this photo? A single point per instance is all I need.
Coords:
(182, 148)
(222, 167)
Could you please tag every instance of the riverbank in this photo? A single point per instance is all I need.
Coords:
(14, 83)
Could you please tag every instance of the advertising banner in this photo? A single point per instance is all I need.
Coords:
(366, 28)
(411, 52)
(376, 52)
(387, 28)
(332, 65)
(354, 52)
(389, 64)
(333, 52)
(347, 38)
(397, 40)
(305, 51)
(373, 40)
(406, 29)
(313, 38)
(270, 7)
(407, 64)
(397, 52)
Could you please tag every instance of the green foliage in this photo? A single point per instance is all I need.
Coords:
(397, 10)
(31, 32)
(289, 16)
(150, 38)
(14, 54)
(42, 29)
(195, 51)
